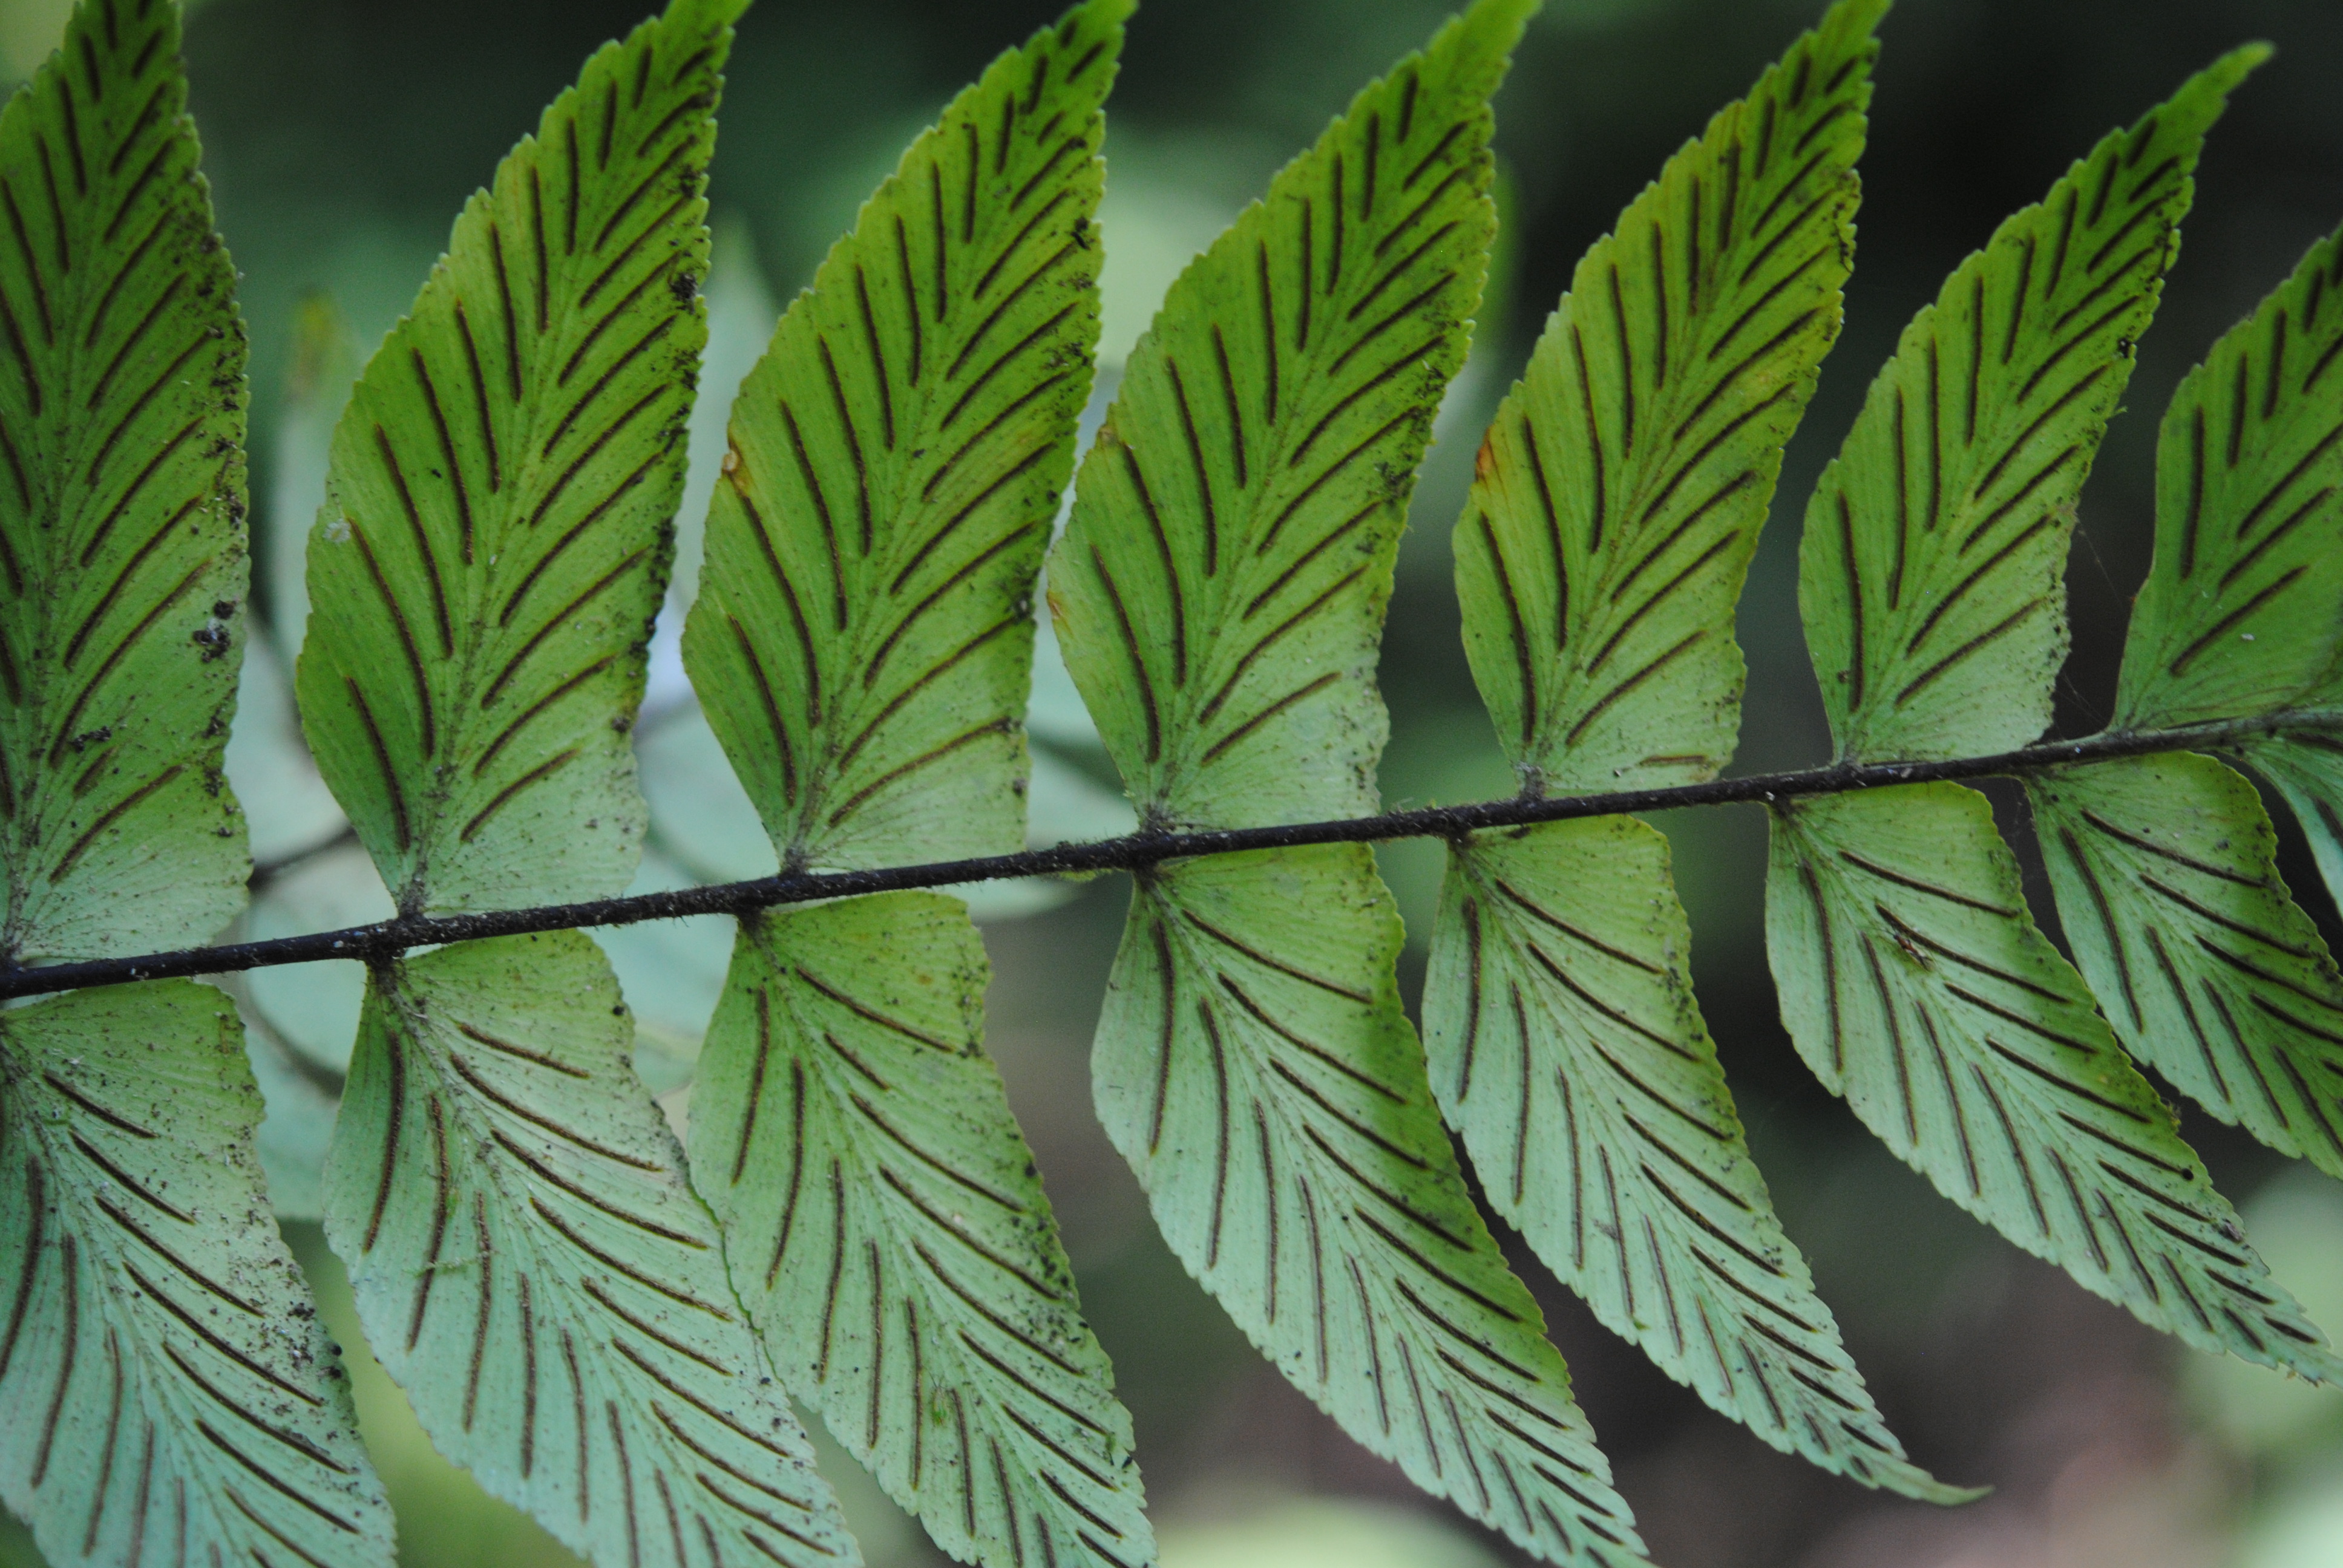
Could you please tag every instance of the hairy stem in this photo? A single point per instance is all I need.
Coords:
(388, 938)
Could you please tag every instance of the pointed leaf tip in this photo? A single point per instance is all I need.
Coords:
(1486, 36)
(2239, 64)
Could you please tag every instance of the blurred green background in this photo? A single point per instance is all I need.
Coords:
(341, 135)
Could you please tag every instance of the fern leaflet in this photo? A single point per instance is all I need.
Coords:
(1619, 497)
(2167, 877)
(1220, 592)
(1914, 983)
(1218, 598)
(863, 642)
(1567, 1049)
(1257, 1071)
(173, 1390)
(858, 641)
(495, 535)
(1930, 572)
(891, 1240)
(2238, 615)
(533, 1267)
(1619, 493)
(122, 545)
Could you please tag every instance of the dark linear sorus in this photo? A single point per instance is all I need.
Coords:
(388, 938)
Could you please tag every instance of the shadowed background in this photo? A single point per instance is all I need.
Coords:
(341, 135)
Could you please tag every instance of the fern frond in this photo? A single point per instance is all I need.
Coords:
(1914, 983)
(1930, 574)
(609, 1328)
